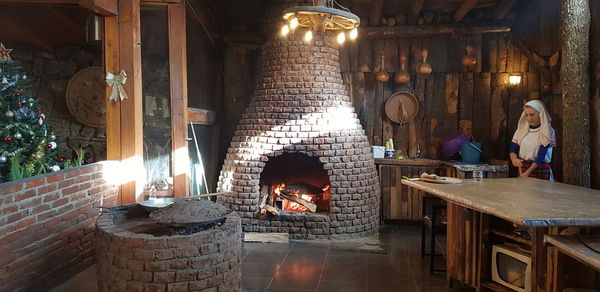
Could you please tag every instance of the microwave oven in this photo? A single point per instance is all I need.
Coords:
(511, 268)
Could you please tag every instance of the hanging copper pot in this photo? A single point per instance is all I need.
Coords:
(424, 67)
(402, 76)
(382, 76)
(469, 59)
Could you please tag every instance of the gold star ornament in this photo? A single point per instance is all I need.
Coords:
(4, 53)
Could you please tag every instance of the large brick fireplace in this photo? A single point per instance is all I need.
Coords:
(300, 136)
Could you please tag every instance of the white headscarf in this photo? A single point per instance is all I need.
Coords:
(546, 136)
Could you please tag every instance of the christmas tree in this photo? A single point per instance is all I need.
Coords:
(26, 142)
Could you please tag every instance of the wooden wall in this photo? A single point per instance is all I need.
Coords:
(474, 100)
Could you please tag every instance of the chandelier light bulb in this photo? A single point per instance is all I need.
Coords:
(308, 36)
(293, 23)
(341, 38)
(353, 33)
(285, 30)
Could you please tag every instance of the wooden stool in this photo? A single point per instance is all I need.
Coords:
(432, 221)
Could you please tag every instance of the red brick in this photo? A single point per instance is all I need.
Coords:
(8, 210)
(66, 183)
(55, 178)
(60, 202)
(9, 188)
(83, 178)
(69, 190)
(47, 188)
(52, 222)
(51, 197)
(26, 222)
(40, 208)
(26, 195)
(72, 173)
(36, 183)
(17, 216)
(69, 215)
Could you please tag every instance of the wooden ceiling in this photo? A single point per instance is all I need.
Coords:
(44, 26)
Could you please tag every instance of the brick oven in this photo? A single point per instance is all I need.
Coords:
(299, 160)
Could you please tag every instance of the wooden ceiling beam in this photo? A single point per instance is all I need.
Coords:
(160, 2)
(466, 6)
(504, 7)
(410, 31)
(200, 13)
(75, 2)
(101, 7)
(414, 11)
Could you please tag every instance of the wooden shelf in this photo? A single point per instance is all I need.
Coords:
(512, 237)
(495, 287)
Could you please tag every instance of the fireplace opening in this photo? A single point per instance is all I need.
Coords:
(295, 182)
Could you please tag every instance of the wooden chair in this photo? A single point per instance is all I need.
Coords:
(433, 222)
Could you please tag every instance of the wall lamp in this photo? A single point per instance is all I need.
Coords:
(514, 80)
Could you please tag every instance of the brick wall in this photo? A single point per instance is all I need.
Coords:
(47, 225)
(208, 260)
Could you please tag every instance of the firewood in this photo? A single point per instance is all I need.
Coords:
(310, 206)
(270, 209)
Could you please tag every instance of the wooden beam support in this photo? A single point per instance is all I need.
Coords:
(74, 2)
(414, 11)
(411, 31)
(113, 109)
(467, 6)
(130, 59)
(375, 15)
(164, 2)
(101, 7)
(504, 7)
(539, 62)
(575, 80)
(201, 116)
(179, 97)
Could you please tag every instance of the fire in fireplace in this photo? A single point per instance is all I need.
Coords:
(295, 182)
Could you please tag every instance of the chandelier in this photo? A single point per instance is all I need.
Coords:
(322, 16)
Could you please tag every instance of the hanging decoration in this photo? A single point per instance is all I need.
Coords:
(116, 83)
(4, 54)
(424, 67)
(402, 77)
(469, 58)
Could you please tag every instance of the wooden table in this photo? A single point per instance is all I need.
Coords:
(582, 248)
(525, 202)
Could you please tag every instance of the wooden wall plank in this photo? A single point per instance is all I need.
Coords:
(451, 124)
(179, 100)
(455, 52)
(482, 107)
(531, 86)
(515, 107)
(365, 56)
(477, 42)
(499, 115)
(465, 100)
(378, 115)
(388, 125)
(415, 139)
(113, 109)
(502, 57)
(386, 182)
(370, 88)
(490, 49)
(390, 50)
(438, 58)
(438, 108)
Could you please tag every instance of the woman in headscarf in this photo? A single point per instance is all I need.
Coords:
(531, 149)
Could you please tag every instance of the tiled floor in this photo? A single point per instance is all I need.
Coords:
(321, 266)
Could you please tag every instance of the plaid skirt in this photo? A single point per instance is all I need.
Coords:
(543, 171)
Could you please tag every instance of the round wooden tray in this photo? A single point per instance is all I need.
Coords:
(443, 180)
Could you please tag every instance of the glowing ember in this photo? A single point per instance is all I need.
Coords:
(321, 200)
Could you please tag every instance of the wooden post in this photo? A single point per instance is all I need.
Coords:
(595, 99)
(113, 109)
(179, 97)
(574, 75)
(130, 58)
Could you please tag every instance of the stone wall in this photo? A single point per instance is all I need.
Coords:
(49, 73)
(47, 225)
(208, 260)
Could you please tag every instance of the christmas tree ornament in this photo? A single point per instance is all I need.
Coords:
(3, 159)
(39, 112)
(38, 156)
(9, 114)
(20, 105)
(52, 137)
(7, 139)
(51, 145)
(61, 160)
(55, 168)
(18, 93)
(4, 80)
(18, 135)
(4, 53)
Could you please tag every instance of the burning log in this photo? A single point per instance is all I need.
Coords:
(270, 209)
(302, 188)
(291, 197)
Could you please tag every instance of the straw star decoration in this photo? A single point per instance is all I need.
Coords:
(4, 53)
